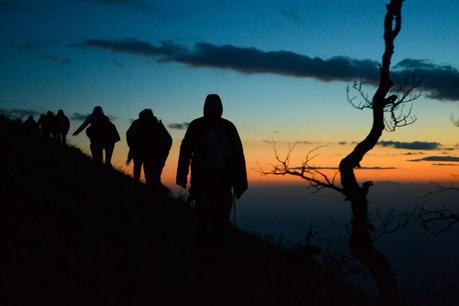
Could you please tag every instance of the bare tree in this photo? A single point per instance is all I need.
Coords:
(438, 220)
(454, 120)
(391, 108)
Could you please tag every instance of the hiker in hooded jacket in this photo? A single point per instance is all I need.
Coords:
(31, 126)
(213, 149)
(46, 125)
(62, 126)
(102, 135)
(149, 144)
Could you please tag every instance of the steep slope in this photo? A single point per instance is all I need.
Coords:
(77, 233)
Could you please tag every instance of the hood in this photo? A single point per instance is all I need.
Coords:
(213, 106)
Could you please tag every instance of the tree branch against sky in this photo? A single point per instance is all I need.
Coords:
(384, 101)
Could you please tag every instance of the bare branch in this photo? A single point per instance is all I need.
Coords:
(445, 217)
(454, 121)
(438, 220)
(316, 178)
(364, 99)
(391, 222)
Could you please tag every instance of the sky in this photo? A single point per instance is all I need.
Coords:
(281, 69)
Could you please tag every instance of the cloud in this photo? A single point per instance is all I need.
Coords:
(445, 158)
(360, 168)
(35, 45)
(82, 117)
(376, 168)
(57, 59)
(415, 145)
(455, 165)
(439, 82)
(39, 47)
(298, 142)
(343, 143)
(117, 63)
(11, 4)
(141, 4)
(79, 116)
(292, 13)
(243, 60)
(20, 112)
(178, 126)
(413, 153)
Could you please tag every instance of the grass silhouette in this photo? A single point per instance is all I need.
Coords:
(78, 233)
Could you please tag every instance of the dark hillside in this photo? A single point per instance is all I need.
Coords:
(77, 233)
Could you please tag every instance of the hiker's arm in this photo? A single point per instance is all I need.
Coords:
(82, 126)
(240, 184)
(184, 159)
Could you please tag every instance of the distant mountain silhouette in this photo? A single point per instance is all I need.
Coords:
(75, 232)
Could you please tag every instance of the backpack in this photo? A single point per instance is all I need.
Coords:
(103, 131)
(216, 150)
(165, 141)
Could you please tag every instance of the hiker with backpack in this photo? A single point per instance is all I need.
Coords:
(62, 126)
(213, 149)
(31, 126)
(102, 134)
(149, 144)
(46, 125)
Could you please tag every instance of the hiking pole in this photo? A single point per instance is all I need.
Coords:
(234, 210)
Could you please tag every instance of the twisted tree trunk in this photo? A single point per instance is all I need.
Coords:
(360, 242)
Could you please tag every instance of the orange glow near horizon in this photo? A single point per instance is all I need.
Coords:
(393, 164)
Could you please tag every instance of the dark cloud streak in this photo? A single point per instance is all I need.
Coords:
(11, 4)
(21, 112)
(179, 126)
(40, 47)
(437, 159)
(140, 4)
(78, 116)
(298, 142)
(57, 59)
(360, 168)
(415, 145)
(82, 117)
(292, 13)
(439, 82)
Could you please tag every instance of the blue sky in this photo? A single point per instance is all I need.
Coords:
(126, 55)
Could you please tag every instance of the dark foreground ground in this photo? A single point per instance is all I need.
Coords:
(76, 233)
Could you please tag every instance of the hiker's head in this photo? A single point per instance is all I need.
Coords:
(213, 107)
(60, 112)
(97, 111)
(49, 114)
(146, 115)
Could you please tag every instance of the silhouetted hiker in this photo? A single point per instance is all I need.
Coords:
(102, 135)
(214, 149)
(149, 144)
(46, 125)
(31, 126)
(61, 126)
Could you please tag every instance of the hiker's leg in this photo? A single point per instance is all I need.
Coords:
(203, 215)
(137, 168)
(152, 173)
(96, 152)
(108, 154)
(222, 211)
(227, 205)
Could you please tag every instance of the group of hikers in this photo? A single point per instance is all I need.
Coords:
(50, 126)
(211, 148)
